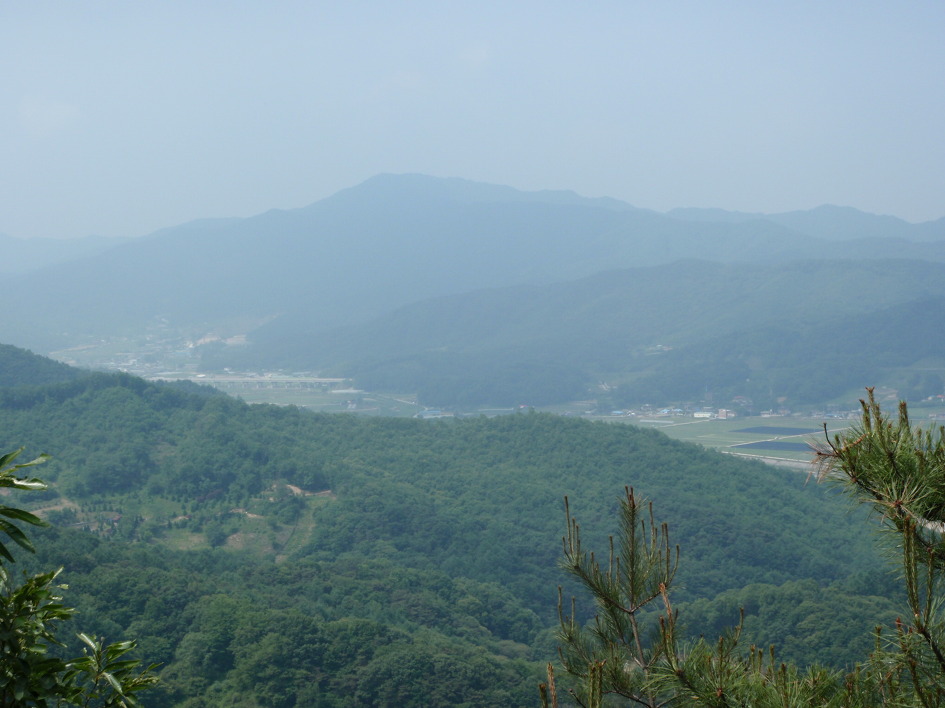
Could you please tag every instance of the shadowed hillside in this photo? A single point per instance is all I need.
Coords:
(668, 333)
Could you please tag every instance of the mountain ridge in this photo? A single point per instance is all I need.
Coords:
(286, 279)
(607, 325)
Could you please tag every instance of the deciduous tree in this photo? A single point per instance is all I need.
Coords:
(31, 614)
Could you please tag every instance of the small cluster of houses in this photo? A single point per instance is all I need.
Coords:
(706, 413)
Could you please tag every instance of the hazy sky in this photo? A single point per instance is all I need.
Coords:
(119, 118)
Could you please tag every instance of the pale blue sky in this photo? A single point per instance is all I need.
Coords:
(119, 118)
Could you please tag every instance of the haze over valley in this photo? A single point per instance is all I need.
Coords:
(331, 335)
(474, 295)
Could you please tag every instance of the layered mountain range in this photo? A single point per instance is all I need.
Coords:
(473, 293)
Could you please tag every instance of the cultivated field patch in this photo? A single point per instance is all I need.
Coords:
(782, 445)
(777, 430)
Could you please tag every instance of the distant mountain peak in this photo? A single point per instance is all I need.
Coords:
(415, 186)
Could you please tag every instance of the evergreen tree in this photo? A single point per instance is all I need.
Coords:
(630, 654)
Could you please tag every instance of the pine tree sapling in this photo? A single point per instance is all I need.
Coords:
(899, 469)
(619, 659)
(614, 655)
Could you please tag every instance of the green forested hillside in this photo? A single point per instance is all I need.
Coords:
(267, 556)
(897, 346)
(688, 331)
(19, 367)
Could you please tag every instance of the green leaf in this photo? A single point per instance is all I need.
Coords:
(82, 664)
(16, 535)
(7, 470)
(9, 457)
(92, 644)
(113, 651)
(114, 682)
(22, 515)
(26, 484)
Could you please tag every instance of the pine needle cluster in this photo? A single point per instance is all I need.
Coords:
(631, 654)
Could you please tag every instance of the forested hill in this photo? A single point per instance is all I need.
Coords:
(19, 367)
(261, 551)
(424, 483)
(803, 332)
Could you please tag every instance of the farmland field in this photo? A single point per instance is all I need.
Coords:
(785, 440)
(756, 437)
(780, 440)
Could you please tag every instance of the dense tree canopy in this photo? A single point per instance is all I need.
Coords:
(205, 528)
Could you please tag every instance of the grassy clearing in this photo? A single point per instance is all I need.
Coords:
(184, 540)
(301, 531)
(260, 528)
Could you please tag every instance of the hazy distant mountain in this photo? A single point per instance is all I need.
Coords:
(408, 188)
(828, 222)
(387, 242)
(24, 255)
(670, 304)
(393, 240)
(748, 329)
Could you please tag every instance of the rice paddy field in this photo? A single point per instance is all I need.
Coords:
(785, 440)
